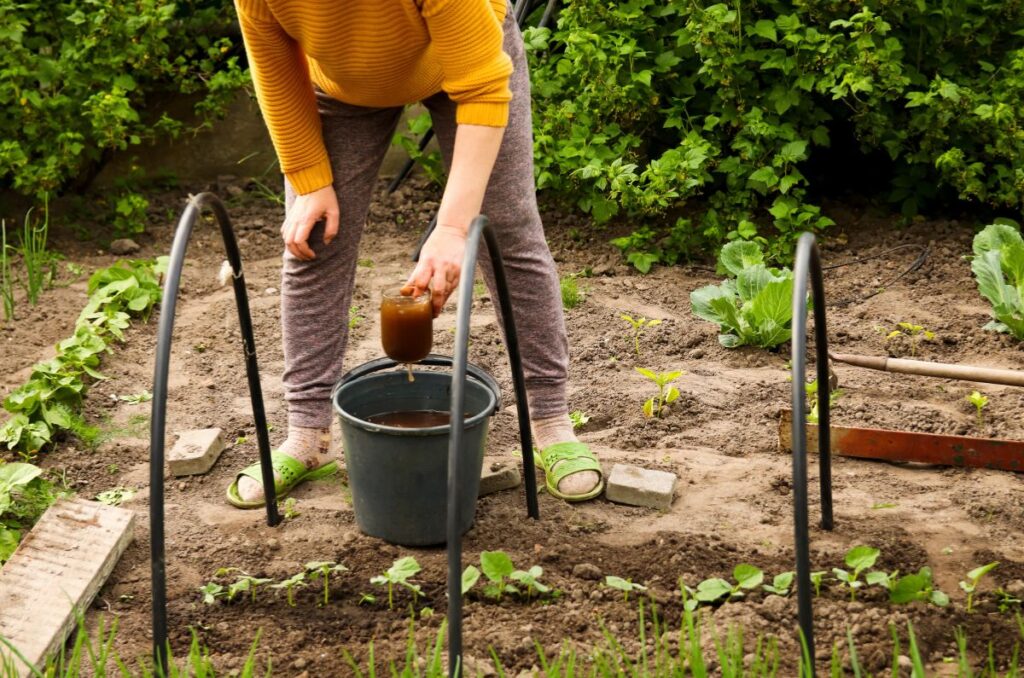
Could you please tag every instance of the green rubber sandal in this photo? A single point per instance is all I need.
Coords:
(291, 472)
(570, 458)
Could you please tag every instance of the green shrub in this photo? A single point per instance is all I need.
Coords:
(76, 76)
(642, 106)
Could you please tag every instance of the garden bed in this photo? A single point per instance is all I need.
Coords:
(734, 499)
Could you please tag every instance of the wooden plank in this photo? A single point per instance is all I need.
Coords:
(58, 568)
(907, 446)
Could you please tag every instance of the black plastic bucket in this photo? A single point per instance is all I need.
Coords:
(399, 476)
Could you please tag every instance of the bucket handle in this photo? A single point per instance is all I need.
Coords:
(433, 359)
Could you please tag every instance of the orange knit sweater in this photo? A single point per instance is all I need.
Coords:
(376, 53)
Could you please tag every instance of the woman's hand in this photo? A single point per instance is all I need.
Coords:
(440, 265)
(305, 211)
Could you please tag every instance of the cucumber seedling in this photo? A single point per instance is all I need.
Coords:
(859, 558)
(297, 580)
(970, 585)
(399, 574)
(781, 584)
(915, 333)
(920, 586)
(497, 567)
(578, 418)
(637, 326)
(747, 577)
(323, 570)
(979, 401)
(666, 393)
(212, 591)
(627, 586)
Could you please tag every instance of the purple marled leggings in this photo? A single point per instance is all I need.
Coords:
(315, 295)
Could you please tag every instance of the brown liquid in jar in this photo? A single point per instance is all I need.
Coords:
(406, 327)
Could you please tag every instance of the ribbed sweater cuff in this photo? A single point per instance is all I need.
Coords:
(486, 114)
(311, 178)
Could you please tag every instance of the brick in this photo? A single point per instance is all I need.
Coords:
(196, 451)
(640, 487)
(497, 476)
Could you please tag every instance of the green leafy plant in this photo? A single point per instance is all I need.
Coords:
(136, 398)
(115, 496)
(812, 400)
(497, 567)
(399, 574)
(627, 586)
(353, 317)
(290, 512)
(666, 393)
(578, 418)
(212, 591)
(323, 570)
(530, 580)
(747, 577)
(974, 577)
(920, 586)
(859, 559)
(408, 141)
(754, 306)
(24, 496)
(781, 584)
(914, 333)
(572, 295)
(979, 401)
(470, 576)
(1006, 601)
(998, 267)
(296, 581)
(129, 216)
(247, 584)
(817, 578)
(637, 326)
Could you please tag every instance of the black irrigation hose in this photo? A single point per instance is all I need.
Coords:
(459, 364)
(158, 421)
(808, 264)
(409, 163)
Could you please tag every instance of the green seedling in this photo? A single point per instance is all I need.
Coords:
(399, 573)
(6, 277)
(211, 592)
(816, 579)
(470, 576)
(323, 570)
(1006, 600)
(625, 585)
(913, 332)
(247, 584)
(979, 401)
(241, 440)
(497, 567)
(666, 394)
(579, 418)
(911, 587)
(353, 317)
(290, 511)
(859, 558)
(296, 581)
(116, 496)
(572, 295)
(781, 584)
(638, 325)
(973, 578)
(530, 579)
(747, 577)
(812, 400)
(367, 599)
(136, 398)
(882, 505)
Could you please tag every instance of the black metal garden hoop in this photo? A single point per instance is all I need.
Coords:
(158, 425)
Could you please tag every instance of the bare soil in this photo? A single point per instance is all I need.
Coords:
(734, 498)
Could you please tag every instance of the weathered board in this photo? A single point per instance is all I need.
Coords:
(58, 568)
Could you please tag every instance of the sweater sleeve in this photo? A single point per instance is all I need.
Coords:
(280, 75)
(468, 41)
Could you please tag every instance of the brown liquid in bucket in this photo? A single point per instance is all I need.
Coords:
(411, 419)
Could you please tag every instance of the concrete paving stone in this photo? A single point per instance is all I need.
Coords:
(196, 451)
(640, 487)
(497, 476)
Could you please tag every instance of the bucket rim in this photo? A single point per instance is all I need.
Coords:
(351, 419)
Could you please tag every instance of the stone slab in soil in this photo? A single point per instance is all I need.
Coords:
(196, 451)
(640, 487)
(58, 568)
(498, 476)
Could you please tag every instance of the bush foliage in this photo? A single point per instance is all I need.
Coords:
(76, 76)
(643, 105)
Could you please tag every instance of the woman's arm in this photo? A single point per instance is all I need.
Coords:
(440, 264)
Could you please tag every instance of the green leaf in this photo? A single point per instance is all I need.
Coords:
(747, 576)
(979, 572)
(496, 565)
(18, 474)
(403, 568)
(9, 539)
(738, 255)
(647, 373)
(470, 576)
(994, 237)
(702, 306)
(861, 557)
(765, 29)
(710, 590)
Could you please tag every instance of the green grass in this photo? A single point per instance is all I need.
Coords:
(572, 294)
